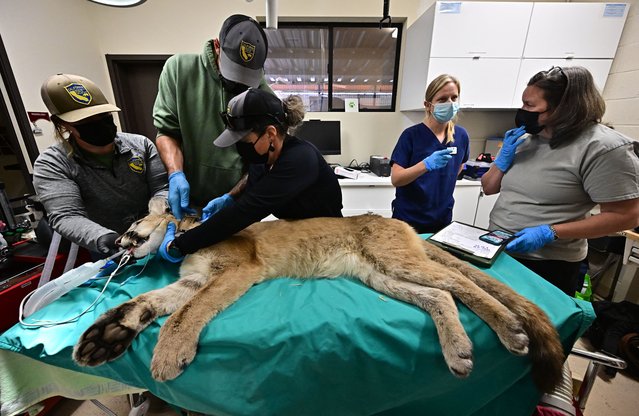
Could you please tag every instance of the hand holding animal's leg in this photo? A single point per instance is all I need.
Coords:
(179, 335)
(456, 346)
(113, 332)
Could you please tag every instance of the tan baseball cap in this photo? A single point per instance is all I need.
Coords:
(74, 98)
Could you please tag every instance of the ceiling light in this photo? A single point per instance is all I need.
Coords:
(366, 80)
(119, 3)
(379, 80)
(352, 79)
(312, 79)
(339, 79)
(272, 79)
(299, 79)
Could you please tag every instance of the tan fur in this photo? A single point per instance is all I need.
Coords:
(385, 254)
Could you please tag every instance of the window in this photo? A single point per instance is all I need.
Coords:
(327, 63)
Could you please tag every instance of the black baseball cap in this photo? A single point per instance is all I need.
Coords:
(248, 110)
(243, 48)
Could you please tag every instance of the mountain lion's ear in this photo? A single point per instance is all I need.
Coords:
(158, 205)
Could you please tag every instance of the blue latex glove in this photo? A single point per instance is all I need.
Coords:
(531, 239)
(437, 160)
(216, 205)
(168, 237)
(507, 153)
(179, 190)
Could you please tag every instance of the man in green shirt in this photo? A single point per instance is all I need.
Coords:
(193, 90)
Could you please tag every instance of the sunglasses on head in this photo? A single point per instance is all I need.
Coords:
(556, 69)
(241, 123)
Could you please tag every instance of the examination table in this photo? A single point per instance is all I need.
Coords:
(292, 347)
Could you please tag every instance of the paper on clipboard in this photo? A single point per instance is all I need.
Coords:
(466, 238)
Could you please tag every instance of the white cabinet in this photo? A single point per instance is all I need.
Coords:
(484, 206)
(599, 68)
(571, 34)
(480, 43)
(479, 29)
(466, 197)
(367, 194)
(575, 30)
(372, 194)
(495, 47)
(485, 82)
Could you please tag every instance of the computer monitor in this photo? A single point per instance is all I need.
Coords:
(325, 135)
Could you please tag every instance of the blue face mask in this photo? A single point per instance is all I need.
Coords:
(444, 112)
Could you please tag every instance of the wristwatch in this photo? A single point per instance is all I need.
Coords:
(554, 233)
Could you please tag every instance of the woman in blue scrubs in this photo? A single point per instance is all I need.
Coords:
(427, 159)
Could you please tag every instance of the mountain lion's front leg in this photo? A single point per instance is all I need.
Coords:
(113, 332)
(177, 343)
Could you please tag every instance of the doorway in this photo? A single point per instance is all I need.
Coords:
(16, 161)
(135, 85)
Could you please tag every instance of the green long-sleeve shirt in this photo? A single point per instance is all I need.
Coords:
(188, 106)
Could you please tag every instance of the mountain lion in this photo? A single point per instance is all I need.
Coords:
(385, 254)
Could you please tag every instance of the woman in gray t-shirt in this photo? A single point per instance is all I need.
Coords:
(550, 180)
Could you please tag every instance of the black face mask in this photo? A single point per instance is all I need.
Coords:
(249, 154)
(99, 132)
(232, 87)
(530, 119)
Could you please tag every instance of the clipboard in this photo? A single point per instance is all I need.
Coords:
(463, 241)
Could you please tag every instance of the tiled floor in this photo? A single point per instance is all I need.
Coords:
(618, 396)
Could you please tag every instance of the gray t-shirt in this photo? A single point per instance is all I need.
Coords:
(86, 199)
(551, 186)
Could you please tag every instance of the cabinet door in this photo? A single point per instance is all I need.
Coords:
(579, 30)
(416, 53)
(599, 68)
(358, 200)
(486, 29)
(485, 82)
(484, 206)
(466, 198)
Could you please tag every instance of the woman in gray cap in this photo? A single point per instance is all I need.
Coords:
(288, 177)
(95, 182)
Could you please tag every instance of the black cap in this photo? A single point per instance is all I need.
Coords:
(248, 110)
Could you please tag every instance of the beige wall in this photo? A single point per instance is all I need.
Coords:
(622, 88)
(43, 37)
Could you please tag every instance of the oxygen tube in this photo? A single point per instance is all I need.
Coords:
(56, 288)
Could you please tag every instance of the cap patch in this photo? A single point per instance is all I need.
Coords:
(247, 51)
(136, 164)
(79, 93)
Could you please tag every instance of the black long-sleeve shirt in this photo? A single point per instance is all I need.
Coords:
(300, 184)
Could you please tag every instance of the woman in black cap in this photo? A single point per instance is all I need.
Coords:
(288, 177)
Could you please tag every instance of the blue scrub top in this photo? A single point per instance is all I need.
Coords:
(427, 202)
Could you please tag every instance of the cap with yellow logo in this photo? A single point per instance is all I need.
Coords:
(243, 51)
(74, 98)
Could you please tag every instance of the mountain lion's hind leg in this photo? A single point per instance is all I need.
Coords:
(425, 272)
(456, 346)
